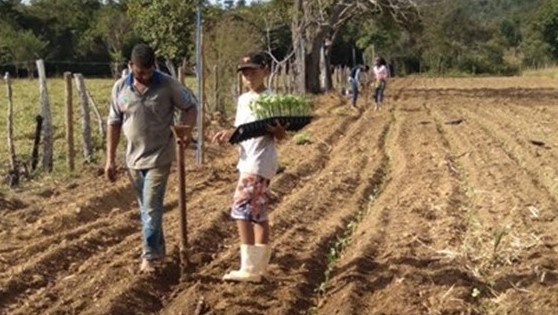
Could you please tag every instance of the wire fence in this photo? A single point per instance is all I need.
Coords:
(26, 68)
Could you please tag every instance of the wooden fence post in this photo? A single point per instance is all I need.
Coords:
(11, 148)
(69, 121)
(85, 120)
(47, 120)
(100, 120)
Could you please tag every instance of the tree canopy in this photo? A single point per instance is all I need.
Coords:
(438, 36)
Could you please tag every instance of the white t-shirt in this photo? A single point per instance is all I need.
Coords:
(257, 155)
(381, 72)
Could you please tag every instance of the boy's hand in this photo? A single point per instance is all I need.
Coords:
(278, 131)
(222, 136)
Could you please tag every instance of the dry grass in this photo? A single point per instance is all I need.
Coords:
(549, 72)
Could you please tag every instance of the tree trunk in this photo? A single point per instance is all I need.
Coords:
(299, 47)
(313, 63)
(328, 84)
(30, 70)
(171, 68)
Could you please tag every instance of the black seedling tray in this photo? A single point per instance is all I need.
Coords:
(259, 128)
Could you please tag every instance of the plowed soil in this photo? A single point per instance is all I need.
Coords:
(443, 202)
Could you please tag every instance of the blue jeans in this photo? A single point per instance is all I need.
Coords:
(379, 92)
(354, 90)
(150, 185)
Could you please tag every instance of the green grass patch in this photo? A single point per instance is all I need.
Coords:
(26, 107)
(302, 138)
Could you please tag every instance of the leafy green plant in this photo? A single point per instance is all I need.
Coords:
(267, 106)
(302, 138)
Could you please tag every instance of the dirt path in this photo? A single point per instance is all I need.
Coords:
(444, 202)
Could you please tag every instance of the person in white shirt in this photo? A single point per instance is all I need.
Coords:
(381, 75)
(257, 164)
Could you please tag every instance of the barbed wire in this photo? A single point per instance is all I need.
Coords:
(24, 62)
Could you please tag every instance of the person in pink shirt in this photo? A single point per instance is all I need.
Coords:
(381, 74)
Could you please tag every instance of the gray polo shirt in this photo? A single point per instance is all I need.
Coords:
(146, 118)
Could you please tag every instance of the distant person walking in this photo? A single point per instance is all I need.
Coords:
(143, 107)
(354, 81)
(381, 74)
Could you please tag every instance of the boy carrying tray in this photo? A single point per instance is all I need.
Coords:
(257, 164)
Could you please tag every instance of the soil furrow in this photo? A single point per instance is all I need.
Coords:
(395, 248)
(198, 243)
(443, 202)
(516, 133)
(512, 227)
(283, 184)
(303, 229)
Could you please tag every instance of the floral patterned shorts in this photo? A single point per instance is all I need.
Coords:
(251, 198)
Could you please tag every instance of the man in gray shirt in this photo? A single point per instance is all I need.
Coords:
(143, 107)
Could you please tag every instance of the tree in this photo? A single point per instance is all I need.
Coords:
(63, 23)
(228, 38)
(548, 25)
(21, 46)
(113, 28)
(316, 23)
(167, 25)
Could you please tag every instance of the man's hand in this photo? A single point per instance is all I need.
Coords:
(222, 136)
(110, 171)
(278, 131)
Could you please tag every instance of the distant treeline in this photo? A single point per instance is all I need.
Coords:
(95, 37)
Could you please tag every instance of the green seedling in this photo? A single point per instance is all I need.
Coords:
(267, 106)
(302, 138)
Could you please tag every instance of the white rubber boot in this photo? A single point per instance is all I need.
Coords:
(250, 255)
(264, 260)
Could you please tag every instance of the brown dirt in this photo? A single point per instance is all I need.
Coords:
(444, 202)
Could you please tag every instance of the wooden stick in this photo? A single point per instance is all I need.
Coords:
(100, 120)
(182, 137)
(36, 142)
(69, 121)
